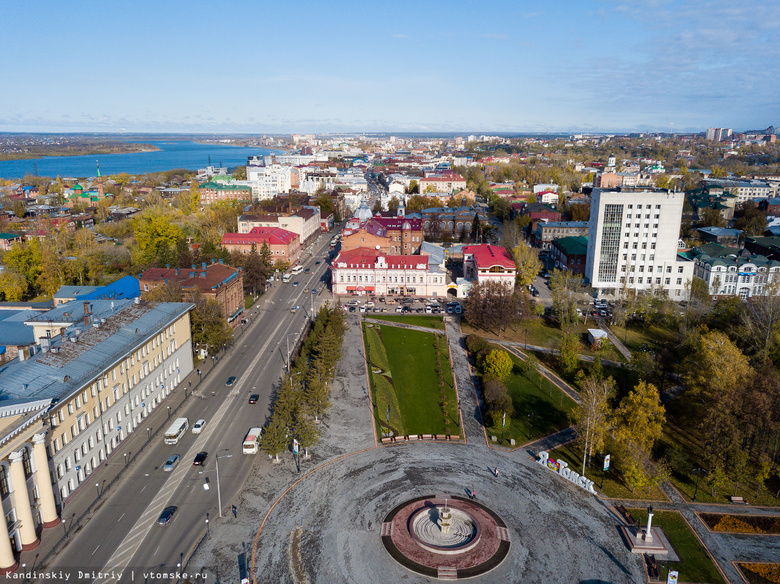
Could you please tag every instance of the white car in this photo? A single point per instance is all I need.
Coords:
(198, 427)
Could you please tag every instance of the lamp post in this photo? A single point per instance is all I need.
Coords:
(125, 458)
(148, 434)
(219, 491)
(97, 488)
(698, 472)
(169, 412)
(208, 533)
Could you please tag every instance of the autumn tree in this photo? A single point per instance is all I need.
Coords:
(761, 322)
(154, 234)
(13, 285)
(490, 305)
(565, 285)
(208, 325)
(639, 418)
(528, 264)
(592, 417)
(569, 353)
(498, 364)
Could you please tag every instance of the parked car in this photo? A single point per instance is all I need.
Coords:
(167, 515)
(458, 309)
(253, 398)
(198, 427)
(363, 308)
(352, 309)
(171, 462)
(353, 302)
(200, 458)
(399, 308)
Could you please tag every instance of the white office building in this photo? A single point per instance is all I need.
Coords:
(268, 181)
(633, 242)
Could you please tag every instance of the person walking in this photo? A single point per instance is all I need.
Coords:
(496, 471)
(473, 494)
(234, 509)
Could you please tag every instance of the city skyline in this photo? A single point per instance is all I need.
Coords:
(346, 67)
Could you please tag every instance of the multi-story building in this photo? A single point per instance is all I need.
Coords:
(285, 245)
(370, 271)
(267, 181)
(570, 253)
(743, 189)
(717, 134)
(729, 273)
(305, 222)
(211, 192)
(547, 231)
(633, 240)
(484, 263)
(390, 235)
(103, 366)
(449, 181)
(446, 222)
(214, 281)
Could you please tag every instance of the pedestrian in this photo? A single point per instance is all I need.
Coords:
(473, 494)
(234, 509)
(496, 471)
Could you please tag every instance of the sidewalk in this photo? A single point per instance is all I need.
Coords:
(85, 501)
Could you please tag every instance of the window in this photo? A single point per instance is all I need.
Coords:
(668, 269)
(3, 482)
(679, 269)
(667, 281)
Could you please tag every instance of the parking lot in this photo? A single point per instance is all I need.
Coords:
(401, 305)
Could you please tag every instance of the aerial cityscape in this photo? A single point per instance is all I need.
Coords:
(325, 293)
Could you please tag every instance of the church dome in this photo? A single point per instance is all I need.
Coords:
(363, 213)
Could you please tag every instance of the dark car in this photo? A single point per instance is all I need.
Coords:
(167, 515)
(253, 398)
(317, 263)
(231, 380)
(200, 458)
(306, 270)
(295, 283)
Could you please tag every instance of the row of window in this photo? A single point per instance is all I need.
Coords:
(28, 471)
(390, 279)
(641, 280)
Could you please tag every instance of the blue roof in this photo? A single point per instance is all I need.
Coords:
(124, 288)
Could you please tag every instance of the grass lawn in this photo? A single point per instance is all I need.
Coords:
(613, 485)
(404, 378)
(425, 320)
(544, 332)
(540, 407)
(639, 337)
(695, 564)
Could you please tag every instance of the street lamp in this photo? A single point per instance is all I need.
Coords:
(288, 349)
(97, 488)
(125, 458)
(219, 491)
(208, 533)
(169, 412)
(698, 472)
(148, 434)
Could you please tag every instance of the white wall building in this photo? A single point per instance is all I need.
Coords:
(733, 275)
(267, 181)
(632, 243)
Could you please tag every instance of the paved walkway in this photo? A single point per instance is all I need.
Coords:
(549, 374)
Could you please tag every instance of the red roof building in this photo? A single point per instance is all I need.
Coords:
(369, 271)
(223, 283)
(489, 263)
(285, 245)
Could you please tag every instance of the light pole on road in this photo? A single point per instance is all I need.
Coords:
(219, 491)
(288, 349)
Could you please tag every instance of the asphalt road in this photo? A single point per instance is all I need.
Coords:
(123, 536)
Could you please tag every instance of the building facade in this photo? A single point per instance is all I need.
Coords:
(737, 275)
(632, 243)
(570, 253)
(305, 222)
(212, 192)
(390, 235)
(369, 271)
(285, 245)
(547, 231)
(484, 263)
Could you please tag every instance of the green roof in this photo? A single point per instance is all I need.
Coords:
(9, 235)
(574, 245)
(221, 187)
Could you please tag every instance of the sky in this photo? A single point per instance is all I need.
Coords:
(457, 66)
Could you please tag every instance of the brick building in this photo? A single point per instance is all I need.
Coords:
(285, 245)
(212, 192)
(390, 235)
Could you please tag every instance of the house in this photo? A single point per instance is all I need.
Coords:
(285, 245)
(215, 281)
(211, 192)
(720, 235)
(483, 263)
(547, 231)
(391, 235)
(305, 222)
(731, 273)
(7, 240)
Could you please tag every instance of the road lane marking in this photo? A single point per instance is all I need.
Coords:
(96, 549)
(120, 518)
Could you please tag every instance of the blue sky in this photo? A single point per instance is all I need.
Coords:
(460, 66)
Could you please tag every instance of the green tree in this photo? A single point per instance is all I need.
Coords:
(592, 417)
(565, 285)
(13, 285)
(19, 208)
(377, 207)
(414, 187)
(208, 325)
(569, 353)
(640, 418)
(528, 264)
(498, 364)
(275, 437)
(306, 433)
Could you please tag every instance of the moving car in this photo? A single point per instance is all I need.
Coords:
(167, 515)
(198, 427)
(170, 463)
(317, 263)
(200, 458)
(294, 309)
(253, 398)
(295, 283)
(231, 380)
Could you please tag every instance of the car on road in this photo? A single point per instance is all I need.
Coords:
(198, 427)
(352, 309)
(399, 309)
(305, 290)
(317, 263)
(253, 398)
(306, 270)
(171, 462)
(230, 380)
(314, 290)
(294, 309)
(167, 515)
(295, 283)
(200, 458)
(370, 304)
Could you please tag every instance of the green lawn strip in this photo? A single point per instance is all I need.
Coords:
(375, 349)
(695, 564)
(547, 406)
(412, 361)
(423, 320)
(613, 485)
(544, 332)
(451, 410)
(651, 337)
(384, 396)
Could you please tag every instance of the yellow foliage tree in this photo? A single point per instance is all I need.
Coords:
(527, 262)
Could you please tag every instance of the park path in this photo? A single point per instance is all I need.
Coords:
(552, 377)
(725, 548)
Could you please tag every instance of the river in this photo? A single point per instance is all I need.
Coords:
(189, 155)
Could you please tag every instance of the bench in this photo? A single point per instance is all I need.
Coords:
(737, 499)
(652, 567)
(626, 515)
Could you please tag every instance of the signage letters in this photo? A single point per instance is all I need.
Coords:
(562, 468)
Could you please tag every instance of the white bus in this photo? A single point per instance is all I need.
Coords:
(176, 431)
(286, 278)
(252, 440)
(297, 270)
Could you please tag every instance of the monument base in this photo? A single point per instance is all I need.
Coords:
(656, 544)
